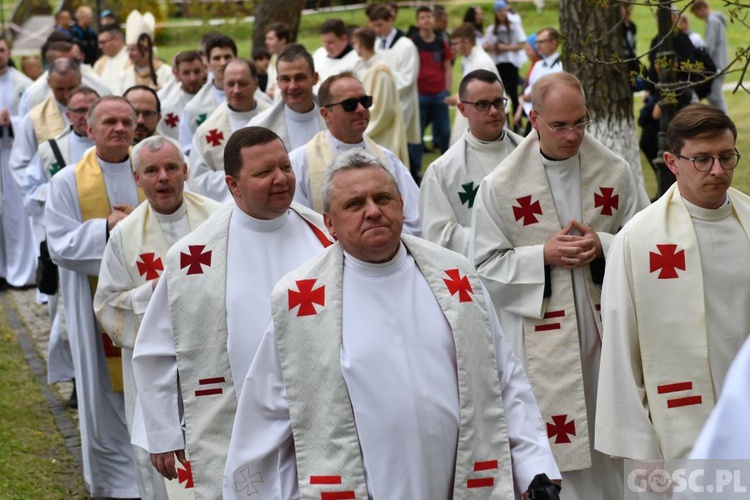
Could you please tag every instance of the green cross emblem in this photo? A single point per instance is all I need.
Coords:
(201, 119)
(468, 194)
(54, 169)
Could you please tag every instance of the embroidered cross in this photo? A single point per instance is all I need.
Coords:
(458, 284)
(201, 118)
(185, 476)
(607, 200)
(171, 120)
(667, 261)
(214, 137)
(559, 429)
(149, 266)
(248, 481)
(527, 210)
(195, 258)
(468, 195)
(55, 168)
(306, 297)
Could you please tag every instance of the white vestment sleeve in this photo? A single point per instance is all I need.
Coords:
(262, 431)
(155, 371)
(24, 149)
(529, 444)
(383, 110)
(623, 427)
(439, 222)
(32, 181)
(73, 244)
(118, 306)
(205, 180)
(513, 276)
(302, 194)
(409, 193)
(185, 133)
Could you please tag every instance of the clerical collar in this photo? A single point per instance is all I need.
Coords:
(142, 70)
(258, 225)
(344, 52)
(301, 117)
(174, 216)
(219, 94)
(377, 269)
(343, 146)
(113, 167)
(550, 61)
(708, 214)
(246, 115)
(83, 139)
(560, 164)
(496, 145)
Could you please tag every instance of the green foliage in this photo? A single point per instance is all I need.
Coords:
(33, 458)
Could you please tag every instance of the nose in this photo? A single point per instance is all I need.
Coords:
(372, 209)
(716, 167)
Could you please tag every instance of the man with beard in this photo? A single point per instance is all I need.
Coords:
(147, 107)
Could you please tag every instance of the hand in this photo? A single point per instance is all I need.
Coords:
(451, 100)
(571, 251)
(165, 462)
(4, 116)
(119, 212)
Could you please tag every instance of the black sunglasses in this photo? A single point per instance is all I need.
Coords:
(350, 104)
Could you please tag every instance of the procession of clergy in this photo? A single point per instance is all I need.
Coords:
(261, 302)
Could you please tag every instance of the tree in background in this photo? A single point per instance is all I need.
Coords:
(272, 11)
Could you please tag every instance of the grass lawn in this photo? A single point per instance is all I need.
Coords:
(33, 457)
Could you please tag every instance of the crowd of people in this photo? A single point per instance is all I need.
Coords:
(263, 296)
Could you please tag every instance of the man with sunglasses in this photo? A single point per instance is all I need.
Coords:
(543, 221)
(676, 300)
(451, 182)
(345, 107)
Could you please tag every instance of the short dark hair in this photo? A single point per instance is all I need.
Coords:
(335, 26)
(82, 89)
(187, 56)
(466, 32)
(57, 46)
(243, 138)
(218, 40)
(324, 91)
(482, 75)
(282, 30)
(379, 12)
(424, 8)
(552, 32)
(147, 89)
(697, 121)
(260, 52)
(250, 65)
(112, 29)
(366, 37)
(294, 51)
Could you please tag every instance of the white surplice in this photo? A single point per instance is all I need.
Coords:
(516, 280)
(77, 247)
(407, 417)
(202, 104)
(724, 250)
(407, 186)
(327, 66)
(260, 252)
(295, 129)
(403, 59)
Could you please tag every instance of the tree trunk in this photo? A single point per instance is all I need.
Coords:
(591, 32)
(272, 11)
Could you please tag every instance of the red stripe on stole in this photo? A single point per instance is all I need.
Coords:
(679, 386)
(325, 479)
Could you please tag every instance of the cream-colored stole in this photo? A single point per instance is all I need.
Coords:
(48, 120)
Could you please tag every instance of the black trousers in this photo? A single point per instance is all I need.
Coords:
(509, 76)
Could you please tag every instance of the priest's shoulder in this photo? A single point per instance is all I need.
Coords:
(309, 214)
(204, 127)
(201, 234)
(517, 159)
(20, 78)
(264, 116)
(739, 196)
(438, 253)
(197, 99)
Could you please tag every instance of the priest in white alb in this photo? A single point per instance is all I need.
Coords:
(111, 65)
(450, 184)
(84, 204)
(133, 261)
(337, 54)
(542, 224)
(190, 73)
(344, 106)
(296, 116)
(676, 298)
(207, 175)
(211, 306)
(449, 414)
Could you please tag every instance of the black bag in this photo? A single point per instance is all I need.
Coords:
(46, 271)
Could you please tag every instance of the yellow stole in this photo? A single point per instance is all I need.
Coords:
(319, 158)
(48, 120)
(94, 203)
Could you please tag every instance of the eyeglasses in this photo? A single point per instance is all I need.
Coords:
(705, 163)
(350, 104)
(578, 128)
(483, 106)
(146, 114)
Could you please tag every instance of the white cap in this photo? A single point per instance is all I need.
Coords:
(138, 23)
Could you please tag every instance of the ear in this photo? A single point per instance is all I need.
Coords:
(325, 113)
(232, 185)
(185, 172)
(533, 116)
(462, 108)
(174, 71)
(329, 224)
(137, 179)
(671, 161)
(315, 78)
(90, 131)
